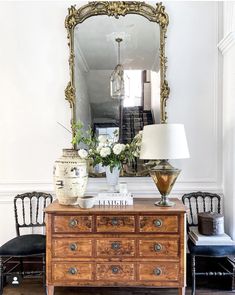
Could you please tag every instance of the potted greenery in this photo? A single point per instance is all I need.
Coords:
(107, 152)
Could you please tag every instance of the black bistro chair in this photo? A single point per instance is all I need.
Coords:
(204, 202)
(29, 214)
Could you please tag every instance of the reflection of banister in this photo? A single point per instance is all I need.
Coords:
(121, 120)
(132, 126)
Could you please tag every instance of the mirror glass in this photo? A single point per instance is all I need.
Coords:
(96, 56)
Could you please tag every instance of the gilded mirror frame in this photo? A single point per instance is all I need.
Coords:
(117, 9)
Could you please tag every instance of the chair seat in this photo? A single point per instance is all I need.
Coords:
(216, 251)
(24, 245)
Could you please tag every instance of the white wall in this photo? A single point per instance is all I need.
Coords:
(34, 73)
(227, 47)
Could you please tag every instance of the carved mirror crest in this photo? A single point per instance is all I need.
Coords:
(115, 44)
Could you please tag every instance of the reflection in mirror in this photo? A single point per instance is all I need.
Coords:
(96, 56)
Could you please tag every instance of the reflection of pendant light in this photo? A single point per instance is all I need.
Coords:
(117, 90)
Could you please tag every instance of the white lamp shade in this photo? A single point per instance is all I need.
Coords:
(164, 141)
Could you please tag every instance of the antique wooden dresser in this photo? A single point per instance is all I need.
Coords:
(132, 246)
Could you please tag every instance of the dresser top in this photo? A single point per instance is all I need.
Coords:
(140, 205)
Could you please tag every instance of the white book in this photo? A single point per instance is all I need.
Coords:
(113, 199)
(199, 237)
(212, 242)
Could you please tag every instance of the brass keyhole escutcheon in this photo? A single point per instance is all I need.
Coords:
(115, 269)
(72, 271)
(73, 223)
(116, 245)
(157, 271)
(73, 247)
(157, 247)
(158, 222)
(114, 221)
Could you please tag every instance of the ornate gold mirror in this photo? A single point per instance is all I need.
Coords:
(117, 68)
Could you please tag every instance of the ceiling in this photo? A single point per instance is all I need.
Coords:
(96, 48)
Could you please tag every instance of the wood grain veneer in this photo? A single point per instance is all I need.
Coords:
(140, 245)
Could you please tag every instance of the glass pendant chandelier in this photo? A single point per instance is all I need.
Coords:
(117, 88)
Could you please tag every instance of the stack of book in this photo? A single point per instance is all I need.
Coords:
(113, 199)
(202, 240)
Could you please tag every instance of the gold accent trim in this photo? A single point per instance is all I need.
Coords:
(116, 9)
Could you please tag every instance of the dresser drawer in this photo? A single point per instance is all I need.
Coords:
(161, 223)
(63, 224)
(159, 247)
(72, 271)
(115, 247)
(159, 271)
(71, 247)
(115, 223)
(115, 271)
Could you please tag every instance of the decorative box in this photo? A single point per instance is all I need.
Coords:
(210, 223)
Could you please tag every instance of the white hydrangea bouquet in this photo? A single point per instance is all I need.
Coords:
(106, 151)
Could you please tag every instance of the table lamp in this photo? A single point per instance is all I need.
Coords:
(163, 142)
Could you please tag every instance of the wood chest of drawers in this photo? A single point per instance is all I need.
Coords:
(131, 246)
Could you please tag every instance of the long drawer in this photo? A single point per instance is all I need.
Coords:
(115, 271)
(116, 224)
(116, 247)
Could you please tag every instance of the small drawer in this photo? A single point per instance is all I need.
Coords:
(115, 247)
(159, 271)
(64, 224)
(113, 272)
(159, 247)
(71, 247)
(160, 223)
(72, 272)
(115, 224)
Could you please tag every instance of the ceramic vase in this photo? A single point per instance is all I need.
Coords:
(70, 177)
(112, 178)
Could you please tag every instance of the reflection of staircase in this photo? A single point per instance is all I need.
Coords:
(134, 119)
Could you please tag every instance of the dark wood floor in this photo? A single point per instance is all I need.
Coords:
(34, 287)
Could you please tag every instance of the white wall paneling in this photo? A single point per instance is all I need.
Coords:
(227, 47)
(34, 74)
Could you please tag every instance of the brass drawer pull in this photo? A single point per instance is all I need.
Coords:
(73, 223)
(115, 245)
(73, 247)
(157, 271)
(114, 221)
(72, 271)
(158, 222)
(157, 247)
(115, 269)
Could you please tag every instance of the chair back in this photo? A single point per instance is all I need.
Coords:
(29, 210)
(198, 202)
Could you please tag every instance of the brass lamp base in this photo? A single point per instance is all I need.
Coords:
(164, 202)
(164, 176)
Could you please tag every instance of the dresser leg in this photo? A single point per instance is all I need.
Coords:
(181, 291)
(50, 290)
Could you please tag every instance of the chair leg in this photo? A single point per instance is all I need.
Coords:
(21, 266)
(193, 269)
(44, 273)
(1, 276)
